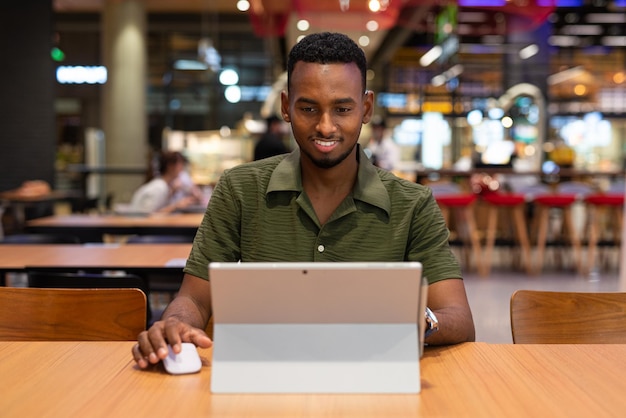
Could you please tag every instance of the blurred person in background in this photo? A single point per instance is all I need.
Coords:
(384, 152)
(271, 142)
(158, 195)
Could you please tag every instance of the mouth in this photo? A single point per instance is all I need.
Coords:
(325, 143)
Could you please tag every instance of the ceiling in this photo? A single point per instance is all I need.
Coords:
(483, 42)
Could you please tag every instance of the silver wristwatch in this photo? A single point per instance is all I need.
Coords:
(432, 324)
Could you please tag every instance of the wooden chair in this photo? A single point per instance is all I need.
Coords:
(547, 317)
(46, 278)
(36, 314)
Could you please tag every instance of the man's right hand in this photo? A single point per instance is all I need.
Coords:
(152, 344)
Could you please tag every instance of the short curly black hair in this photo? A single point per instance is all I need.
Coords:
(327, 48)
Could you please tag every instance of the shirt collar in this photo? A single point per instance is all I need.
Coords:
(368, 188)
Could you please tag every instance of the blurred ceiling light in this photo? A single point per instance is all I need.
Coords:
(243, 5)
(229, 77)
(431, 56)
(565, 75)
(580, 90)
(374, 5)
(378, 5)
(225, 131)
(474, 117)
(303, 25)
(372, 26)
(232, 94)
(619, 77)
(528, 51)
(364, 40)
(344, 5)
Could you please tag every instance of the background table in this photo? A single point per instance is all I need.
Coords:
(163, 261)
(91, 228)
(469, 380)
(106, 256)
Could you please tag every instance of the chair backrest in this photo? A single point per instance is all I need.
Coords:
(547, 317)
(40, 239)
(83, 280)
(36, 314)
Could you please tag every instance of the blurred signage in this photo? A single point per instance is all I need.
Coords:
(82, 75)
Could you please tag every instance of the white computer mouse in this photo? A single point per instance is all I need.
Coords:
(187, 361)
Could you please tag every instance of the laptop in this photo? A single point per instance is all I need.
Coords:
(341, 327)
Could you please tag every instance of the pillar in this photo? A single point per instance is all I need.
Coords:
(124, 118)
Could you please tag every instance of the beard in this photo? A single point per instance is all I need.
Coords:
(327, 161)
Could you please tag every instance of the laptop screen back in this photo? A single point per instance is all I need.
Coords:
(315, 327)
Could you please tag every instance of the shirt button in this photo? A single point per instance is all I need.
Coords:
(320, 248)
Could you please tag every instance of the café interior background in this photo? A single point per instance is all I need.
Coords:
(525, 77)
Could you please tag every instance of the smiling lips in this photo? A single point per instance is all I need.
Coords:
(325, 143)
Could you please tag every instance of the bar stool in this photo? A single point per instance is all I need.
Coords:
(450, 198)
(562, 201)
(512, 204)
(610, 204)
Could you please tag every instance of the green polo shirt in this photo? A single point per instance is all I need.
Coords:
(259, 212)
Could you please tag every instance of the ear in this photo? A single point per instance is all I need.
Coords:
(284, 106)
(368, 106)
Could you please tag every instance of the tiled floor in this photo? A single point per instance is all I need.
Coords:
(489, 297)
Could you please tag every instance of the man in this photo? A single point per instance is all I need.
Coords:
(325, 201)
(271, 142)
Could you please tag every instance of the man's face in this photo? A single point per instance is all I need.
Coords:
(326, 107)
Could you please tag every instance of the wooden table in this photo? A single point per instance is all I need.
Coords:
(99, 379)
(144, 259)
(18, 201)
(91, 228)
(125, 256)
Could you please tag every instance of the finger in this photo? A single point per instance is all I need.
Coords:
(156, 342)
(200, 338)
(138, 357)
(174, 331)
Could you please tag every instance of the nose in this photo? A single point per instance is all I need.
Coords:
(326, 124)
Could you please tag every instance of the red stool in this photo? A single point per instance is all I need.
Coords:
(514, 205)
(595, 204)
(563, 202)
(462, 205)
